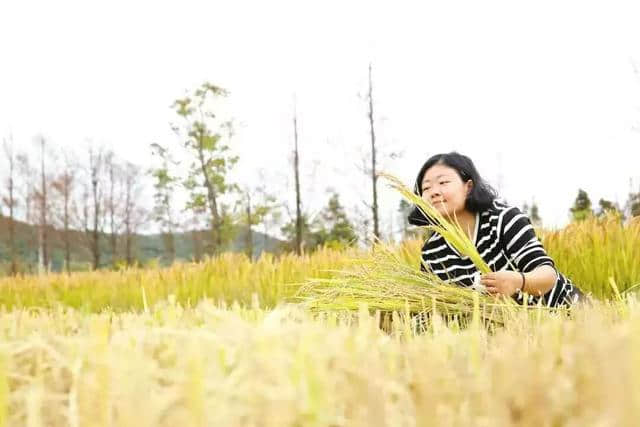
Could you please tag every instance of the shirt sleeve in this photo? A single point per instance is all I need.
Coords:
(424, 268)
(520, 243)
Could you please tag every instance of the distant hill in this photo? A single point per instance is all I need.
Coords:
(146, 246)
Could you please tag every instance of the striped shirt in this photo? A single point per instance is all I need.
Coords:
(505, 239)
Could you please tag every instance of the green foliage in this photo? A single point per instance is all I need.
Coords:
(607, 207)
(164, 184)
(330, 228)
(534, 214)
(633, 204)
(334, 225)
(254, 212)
(309, 236)
(581, 208)
(228, 229)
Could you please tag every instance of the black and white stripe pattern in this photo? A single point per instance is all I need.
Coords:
(505, 239)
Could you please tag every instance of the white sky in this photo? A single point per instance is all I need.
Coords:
(541, 95)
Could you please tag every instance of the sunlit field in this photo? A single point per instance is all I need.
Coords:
(227, 343)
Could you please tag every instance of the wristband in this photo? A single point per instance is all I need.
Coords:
(522, 287)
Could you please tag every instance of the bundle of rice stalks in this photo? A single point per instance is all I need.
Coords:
(384, 282)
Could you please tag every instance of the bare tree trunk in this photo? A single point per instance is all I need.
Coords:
(11, 202)
(26, 175)
(197, 244)
(112, 208)
(374, 177)
(249, 236)
(63, 185)
(131, 221)
(127, 219)
(95, 160)
(169, 245)
(44, 252)
(296, 169)
(12, 225)
(66, 201)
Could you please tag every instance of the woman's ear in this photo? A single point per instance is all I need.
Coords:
(469, 185)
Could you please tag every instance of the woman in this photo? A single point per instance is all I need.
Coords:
(503, 236)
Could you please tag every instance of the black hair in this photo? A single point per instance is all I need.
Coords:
(480, 197)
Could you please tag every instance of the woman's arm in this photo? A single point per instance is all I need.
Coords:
(537, 282)
(540, 280)
(526, 254)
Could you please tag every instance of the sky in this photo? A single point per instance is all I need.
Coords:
(541, 95)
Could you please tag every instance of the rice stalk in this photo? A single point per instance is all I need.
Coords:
(384, 282)
(451, 231)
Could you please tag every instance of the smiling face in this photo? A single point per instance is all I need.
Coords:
(444, 189)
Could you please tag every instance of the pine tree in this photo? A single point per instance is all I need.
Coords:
(633, 204)
(534, 214)
(607, 207)
(335, 222)
(581, 209)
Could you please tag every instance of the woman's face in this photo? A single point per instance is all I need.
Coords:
(444, 189)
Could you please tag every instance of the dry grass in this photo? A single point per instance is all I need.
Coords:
(211, 365)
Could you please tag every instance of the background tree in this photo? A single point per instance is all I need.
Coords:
(134, 215)
(333, 226)
(10, 201)
(113, 201)
(290, 233)
(165, 183)
(272, 215)
(330, 227)
(63, 186)
(296, 170)
(43, 204)
(534, 214)
(633, 204)
(94, 214)
(407, 230)
(255, 208)
(204, 139)
(195, 225)
(374, 176)
(581, 208)
(606, 207)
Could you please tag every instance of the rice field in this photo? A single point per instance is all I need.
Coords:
(225, 343)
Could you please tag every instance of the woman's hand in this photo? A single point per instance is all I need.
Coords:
(502, 282)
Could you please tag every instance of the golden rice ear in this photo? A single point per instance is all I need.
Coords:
(451, 231)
